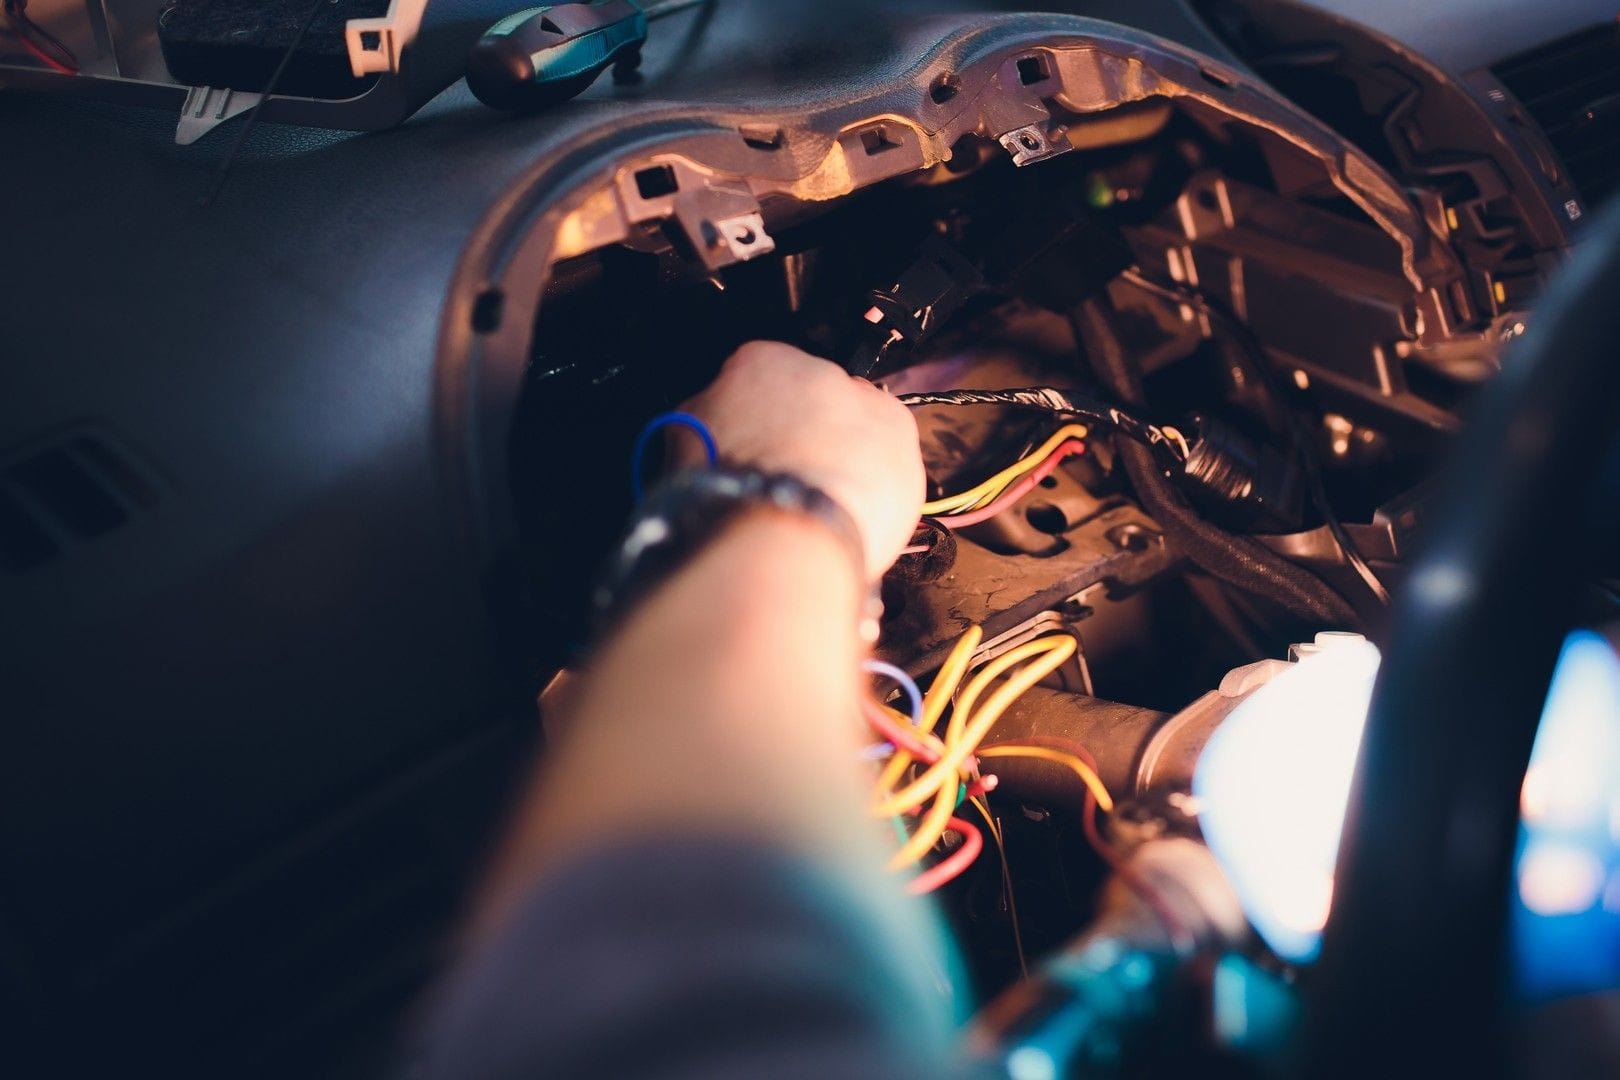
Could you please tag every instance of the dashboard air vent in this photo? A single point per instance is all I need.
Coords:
(74, 489)
(1571, 87)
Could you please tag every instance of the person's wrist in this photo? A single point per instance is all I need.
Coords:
(875, 513)
(692, 510)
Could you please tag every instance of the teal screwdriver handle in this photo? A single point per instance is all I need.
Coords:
(545, 55)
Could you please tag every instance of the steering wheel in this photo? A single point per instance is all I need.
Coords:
(1412, 975)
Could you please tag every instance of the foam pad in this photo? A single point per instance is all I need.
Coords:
(237, 44)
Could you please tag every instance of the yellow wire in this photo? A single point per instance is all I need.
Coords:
(964, 706)
(982, 493)
(933, 825)
(980, 682)
(950, 675)
(1087, 773)
(967, 728)
(943, 787)
(934, 702)
(1046, 655)
(924, 736)
(928, 830)
(984, 811)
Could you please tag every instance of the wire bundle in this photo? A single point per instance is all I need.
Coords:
(941, 769)
(990, 497)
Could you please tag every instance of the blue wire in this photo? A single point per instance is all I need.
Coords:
(881, 667)
(658, 423)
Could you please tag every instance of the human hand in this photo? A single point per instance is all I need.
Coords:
(780, 409)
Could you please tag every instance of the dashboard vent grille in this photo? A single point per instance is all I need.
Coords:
(75, 489)
(1571, 87)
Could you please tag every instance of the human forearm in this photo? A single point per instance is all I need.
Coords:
(727, 703)
(763, 690)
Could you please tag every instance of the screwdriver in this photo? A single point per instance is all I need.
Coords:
(544, 55)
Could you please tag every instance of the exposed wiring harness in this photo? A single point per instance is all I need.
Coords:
(1171, 456)
(45, 46)
(952, 866)
(946, 768)
(933, 771)
(986, 492)
(1255, 360)
(1167, 443)
(1017, 490)
(1238, 560)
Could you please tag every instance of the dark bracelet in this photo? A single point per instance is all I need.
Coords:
(685, 514)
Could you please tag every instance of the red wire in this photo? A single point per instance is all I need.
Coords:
(23, 29)
(1179, 936)
(1174, 928)
(1023, 486)
(899, 734)
(950, 867)
(44, 57)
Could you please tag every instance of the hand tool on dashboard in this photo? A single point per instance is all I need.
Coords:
(544, 55)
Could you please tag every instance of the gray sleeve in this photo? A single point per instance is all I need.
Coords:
(702, 958)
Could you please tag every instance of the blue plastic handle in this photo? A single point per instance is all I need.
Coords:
(544, 55)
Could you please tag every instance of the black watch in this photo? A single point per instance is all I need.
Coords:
(682, 516)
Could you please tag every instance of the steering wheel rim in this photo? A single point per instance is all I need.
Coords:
(1413, 964)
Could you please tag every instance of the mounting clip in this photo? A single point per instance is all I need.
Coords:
(375, 45)
(719, 220)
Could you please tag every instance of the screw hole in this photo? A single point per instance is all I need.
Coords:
(1048, 519)
(1130, 537)
(1208, 200)
(944, 88)
(1049, 482)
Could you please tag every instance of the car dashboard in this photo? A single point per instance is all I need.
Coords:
(306, 466)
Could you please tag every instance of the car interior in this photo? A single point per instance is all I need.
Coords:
(1263, 359)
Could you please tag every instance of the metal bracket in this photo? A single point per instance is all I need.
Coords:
(1046, 622)
(1016, 115)
(206, 108)
(721, 220)
(742, 237)
(1033, 143)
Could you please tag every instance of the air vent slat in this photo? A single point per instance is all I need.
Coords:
(55, 497)
(23, 544)
(1557, 79)
(1568, 87)
(58, 483)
